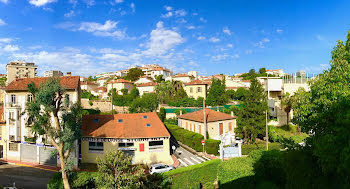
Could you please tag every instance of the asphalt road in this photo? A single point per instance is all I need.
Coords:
(186, 158)
(24, 177)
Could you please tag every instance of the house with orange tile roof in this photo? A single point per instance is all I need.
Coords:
(101, 92)
(184, 78)
(141, 135)
(146, 87)
(119, 84)
(143, 79)
(197, 88)
(18, 132)
(88, 85)
(217, 123)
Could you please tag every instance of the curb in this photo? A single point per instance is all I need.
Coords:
(46, 168)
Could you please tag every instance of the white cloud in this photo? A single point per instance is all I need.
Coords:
(319, 37)
(162, 40)
(201, 38)
(34, 47)
(167, 15)
(39, 3)
(202, 19)
(262, 43)
(191, 27)
(225, 56)
(69, 14)
(5, 40)
(226, 31)
(193, 63)
(2, 22)
(214, 39)
(108, 29)
(180, 12)
(4, 1)
(89, 3)
(132, 5)
(279, 31)
(119, 1)
(168, 8)
(195, 14)
(11, 48)
(229, 45)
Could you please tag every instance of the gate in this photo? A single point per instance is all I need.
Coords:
(28, 153)
(46, 157)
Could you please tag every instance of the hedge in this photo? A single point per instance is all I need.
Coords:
(193, 140)
(77, 180)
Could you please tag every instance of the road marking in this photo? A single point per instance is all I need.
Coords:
(201, 159)
(195, 160)
(189, 161)
(183, 163)
(205, 158)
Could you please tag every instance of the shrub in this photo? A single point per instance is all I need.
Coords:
(172, 121)
(77, 180)
(269, 167)
(55, 182)
(212, 146)
(90, 111)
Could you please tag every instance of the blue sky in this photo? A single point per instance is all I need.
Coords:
(87, 37)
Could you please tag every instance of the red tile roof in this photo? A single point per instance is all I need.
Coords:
(119, 81)
(132, 126)
(181, 75)
(198, 82)
(147, 84)
(212, 116)
(68, 82)
(104, 89)
(87, 83)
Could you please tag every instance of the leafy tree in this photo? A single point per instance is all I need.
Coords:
(178, 111)
(3, 81)
(124, 91)
(134, 74)
(262, 70)
(252, 72)
(134, 93)
(159, 78)
(90, 78)
(217, 93)
(287, 104)
(241, 93)
(324, 111)
(251, 121)
(162, 114)
(50, 114)
(115, 171)
(147, 103)
(164, 89)
(231, 94)
(88, 95)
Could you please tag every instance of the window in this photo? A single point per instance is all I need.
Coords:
(156, 145)
(230, 126)
(191, 90)
(148, 125)
(145, 117)
(120, 121)
(96, 147)
(13, 147)
(30, 98)
(13, 98)
(125, 144)
(199, 89)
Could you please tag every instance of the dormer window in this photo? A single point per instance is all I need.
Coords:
(145, 117)
(120, 121)
(148, 125)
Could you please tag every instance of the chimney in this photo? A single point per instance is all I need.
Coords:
(180, 111)
(69, 74)
(232, 113)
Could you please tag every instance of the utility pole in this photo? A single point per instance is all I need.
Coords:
(268, 94)
(204, 121)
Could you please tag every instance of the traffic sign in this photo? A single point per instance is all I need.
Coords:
(203, 142)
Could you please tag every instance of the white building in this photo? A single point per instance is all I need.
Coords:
(20, 69)
(184, 78)
(143, 79)
(53, 73)
(146, 88)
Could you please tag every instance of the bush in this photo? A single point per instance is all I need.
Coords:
(171, 121)
(269, 167)
(90, 111)
(77, 180)
(212, 146)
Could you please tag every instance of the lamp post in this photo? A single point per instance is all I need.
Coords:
(268, 94)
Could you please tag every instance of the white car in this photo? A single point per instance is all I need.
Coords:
(160, 168)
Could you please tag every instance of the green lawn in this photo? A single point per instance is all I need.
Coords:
(192, 176)
(289, 132)
(247, 148)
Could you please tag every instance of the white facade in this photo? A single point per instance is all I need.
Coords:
(146, 89)
(142, 80)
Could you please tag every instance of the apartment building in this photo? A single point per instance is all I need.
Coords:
(146, 87)
(119, 84)
(20, 69)
(18, 133)
(141, 135)
(53, 73)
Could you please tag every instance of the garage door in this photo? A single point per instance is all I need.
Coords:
(46, 157)
(28, 153)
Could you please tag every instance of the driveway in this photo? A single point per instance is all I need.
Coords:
(24, 177)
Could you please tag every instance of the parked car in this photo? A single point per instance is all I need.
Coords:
(160, 168)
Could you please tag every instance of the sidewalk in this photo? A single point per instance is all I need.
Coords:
(33, 165)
